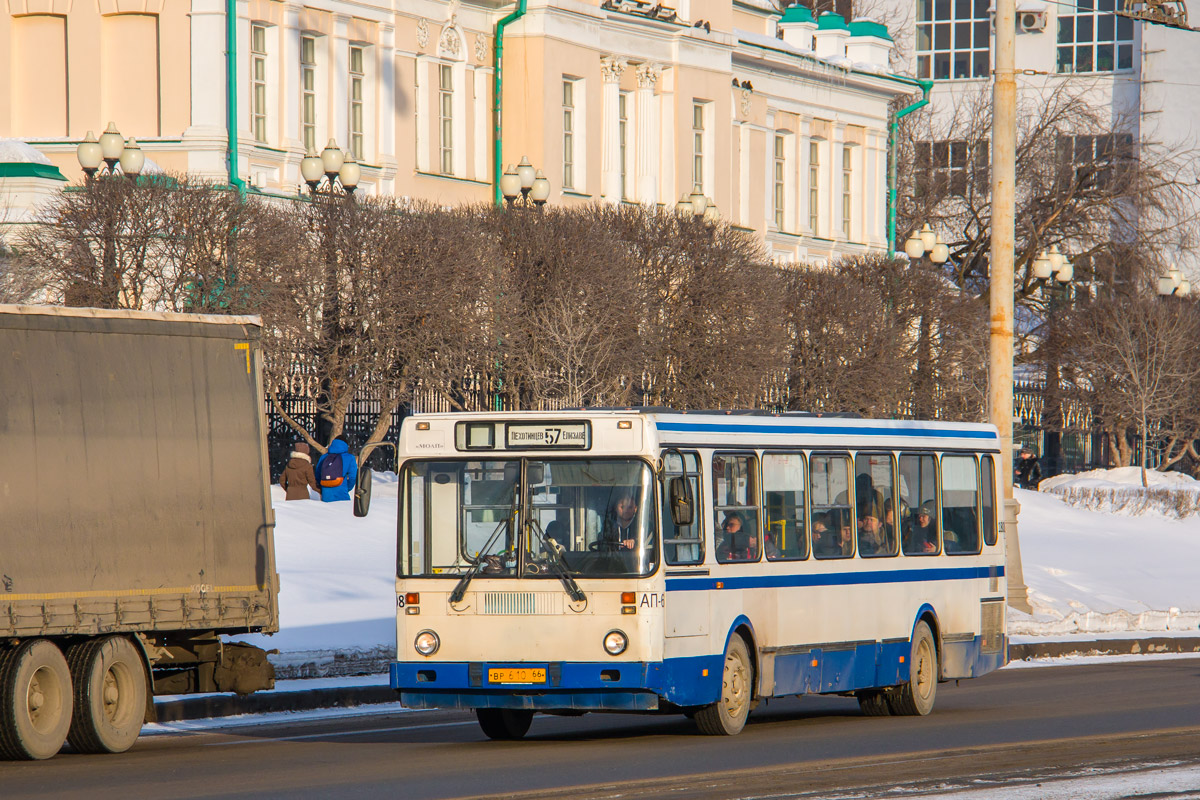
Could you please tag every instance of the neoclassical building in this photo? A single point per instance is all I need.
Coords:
(781, 119)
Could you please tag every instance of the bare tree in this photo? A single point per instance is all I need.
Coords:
(1082, 182)
(1136, 354)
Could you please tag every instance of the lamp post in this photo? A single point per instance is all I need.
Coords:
(1173, 284)
(1052, 271)
(332, 173)
(525, 183)
(103, 156)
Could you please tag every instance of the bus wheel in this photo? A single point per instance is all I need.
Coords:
(874, 703)
(110, 695)
(915, 698)
(727, 716)
(35, 700)
(504, 723)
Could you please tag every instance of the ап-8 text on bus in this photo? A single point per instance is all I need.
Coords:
(692, 563)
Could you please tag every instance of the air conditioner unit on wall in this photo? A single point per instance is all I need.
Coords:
(1031, 21)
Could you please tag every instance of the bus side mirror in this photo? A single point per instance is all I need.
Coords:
(362, 492)
(683, 509)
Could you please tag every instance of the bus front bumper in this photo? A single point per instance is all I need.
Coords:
(574, 686)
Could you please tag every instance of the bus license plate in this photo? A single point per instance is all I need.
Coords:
(517, 675)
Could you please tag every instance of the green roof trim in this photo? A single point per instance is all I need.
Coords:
(830, 21)
(796, 13)
(865, 27)
(25, 169)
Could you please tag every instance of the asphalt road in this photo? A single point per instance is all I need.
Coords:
(1016, 725)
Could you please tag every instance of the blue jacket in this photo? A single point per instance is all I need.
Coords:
(349, 473)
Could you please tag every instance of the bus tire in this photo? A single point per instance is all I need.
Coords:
(915, 698)
(727, 716)
(35, 701)
(110, 695)
(874, 703)
(504, 723)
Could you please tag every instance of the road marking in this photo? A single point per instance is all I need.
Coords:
(332, 734)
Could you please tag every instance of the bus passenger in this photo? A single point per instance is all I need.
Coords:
(734, 543)
(922, 532)
(871, 537)
(620, 524)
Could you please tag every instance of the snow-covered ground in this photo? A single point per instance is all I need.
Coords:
(1088, 573)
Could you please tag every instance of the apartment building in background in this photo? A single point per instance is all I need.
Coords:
(780, 118)
(1142, 76)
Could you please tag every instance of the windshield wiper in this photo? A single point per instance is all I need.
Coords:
(460, 589)
(555, 549)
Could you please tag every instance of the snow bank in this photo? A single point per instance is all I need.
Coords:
(1093, 572)
(1120, 491)
(1087, 572)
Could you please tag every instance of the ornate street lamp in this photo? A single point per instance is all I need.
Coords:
(104, 155)
(698, 205)
(526, 183)
(1174, 284)
(332, 172)
(927, 242)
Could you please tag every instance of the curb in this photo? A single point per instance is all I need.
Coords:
(209, 706)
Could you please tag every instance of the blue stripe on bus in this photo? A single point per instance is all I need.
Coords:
(717, 427)
(833, 579)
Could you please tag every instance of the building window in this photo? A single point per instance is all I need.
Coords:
(568, 122)
(780, 193)
(953, 38)
(308, 96)
(258, 81)
(446, 117)
(949, 167)
(847, 192)
(1093, 162)
(357, 80)
(698, 147)
(1094, 38)
(814, 178)
(623, 141)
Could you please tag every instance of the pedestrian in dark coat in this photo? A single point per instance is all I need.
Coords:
(298, 476)
(1028, 472)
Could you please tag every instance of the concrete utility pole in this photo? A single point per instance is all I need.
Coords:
(1000, 365)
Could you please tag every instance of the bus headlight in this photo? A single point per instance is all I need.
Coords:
(427, 643)
(615, 643)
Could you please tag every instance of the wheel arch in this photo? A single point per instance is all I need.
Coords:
(928, 615)
(742, 626)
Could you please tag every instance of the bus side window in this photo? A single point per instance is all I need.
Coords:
(918, 504)
(783, 504)
(683, 544)
(960, 499)
(988, 498)
(874, 490)
(736, 533)
(829, 490)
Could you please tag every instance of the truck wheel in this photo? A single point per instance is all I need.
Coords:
(504, 723)
(727, 716)
(110, 695)
(915, 698)
(35, 700)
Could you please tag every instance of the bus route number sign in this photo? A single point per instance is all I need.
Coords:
(548, 435)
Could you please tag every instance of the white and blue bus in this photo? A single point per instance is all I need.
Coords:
(693, 563)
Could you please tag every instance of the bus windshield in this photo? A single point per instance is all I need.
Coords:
(528, 517)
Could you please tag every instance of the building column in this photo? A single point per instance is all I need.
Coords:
(647, 134)
(205, 138)
(610, 74)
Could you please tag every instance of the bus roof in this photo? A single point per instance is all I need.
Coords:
(669, 428)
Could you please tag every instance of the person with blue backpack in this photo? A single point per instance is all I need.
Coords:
(337, 471)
